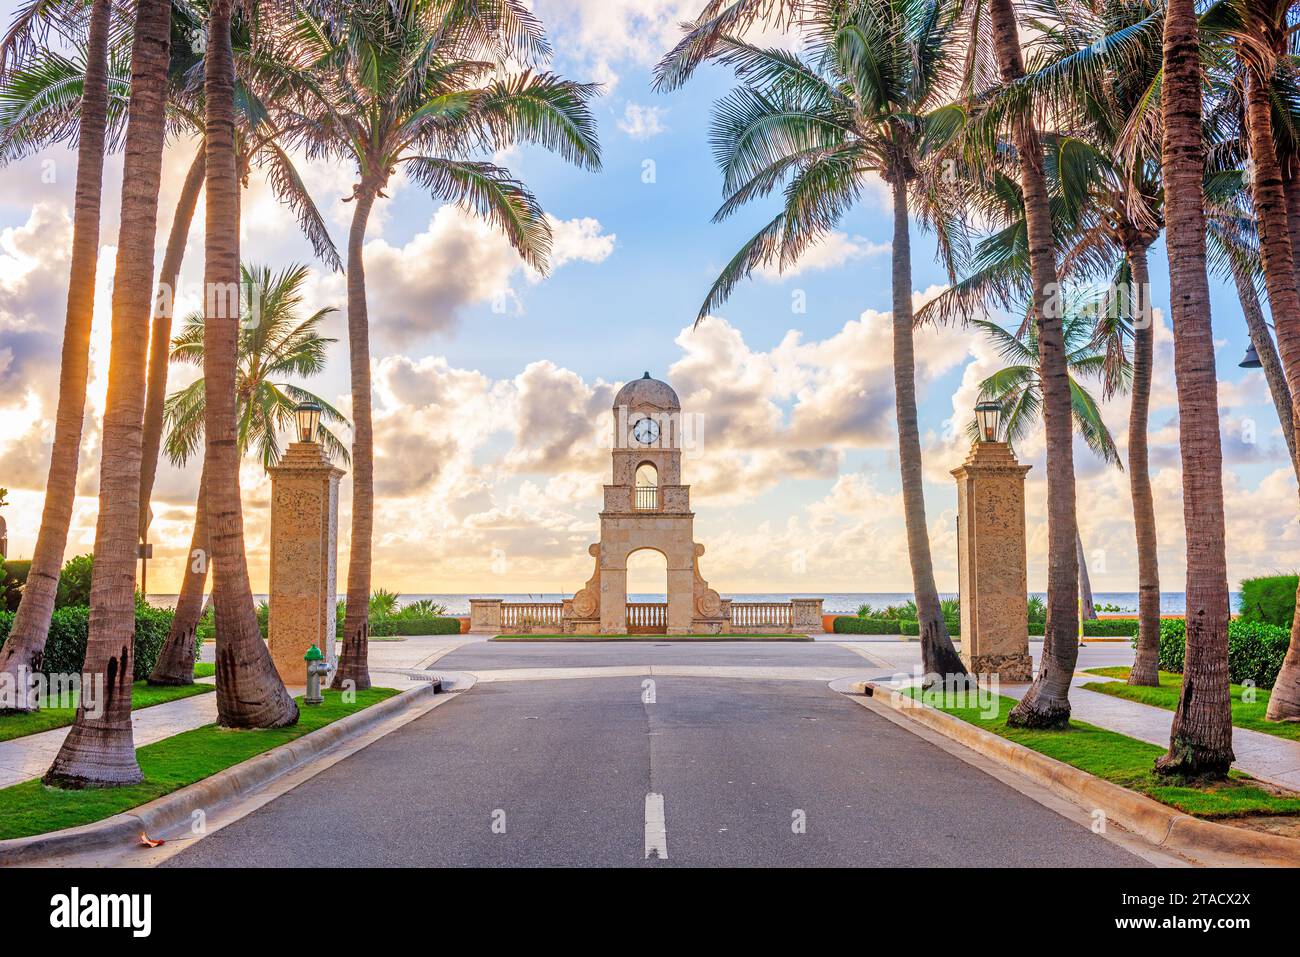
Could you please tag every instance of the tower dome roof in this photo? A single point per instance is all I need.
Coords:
(648, 393)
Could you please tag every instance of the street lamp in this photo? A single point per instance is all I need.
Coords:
(308, 417)
(1252, 358)
(987, 414)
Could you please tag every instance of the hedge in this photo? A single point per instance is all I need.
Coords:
(1269, 600)
(1255, 649)
(65, 649)
(387, 627)
(913, 628)
(846, 625)
(1111, 628)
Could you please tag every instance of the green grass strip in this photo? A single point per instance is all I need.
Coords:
(1245, 714)
(168, 765)
(143, 695)
(1130, 764)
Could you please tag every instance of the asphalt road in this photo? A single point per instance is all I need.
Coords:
(595, 654)
(558, 772)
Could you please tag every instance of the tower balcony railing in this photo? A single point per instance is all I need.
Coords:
(646, 498)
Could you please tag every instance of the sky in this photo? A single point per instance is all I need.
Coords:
(493, 384)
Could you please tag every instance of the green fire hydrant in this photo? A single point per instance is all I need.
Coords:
(317, 667)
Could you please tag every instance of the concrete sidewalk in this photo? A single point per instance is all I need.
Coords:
(22, 759)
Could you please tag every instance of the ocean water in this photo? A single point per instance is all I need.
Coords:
(1171, 602)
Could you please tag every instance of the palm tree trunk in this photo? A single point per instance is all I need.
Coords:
(100, 750)
(1200, 740)
(1086, 607)
(1146, 663)
(24, 651)
(938, 655)
(1271, 212)
(175, 664)
(1047, 703)
(250, 693)
(160, 340)
(354, 665)
(1266, 349)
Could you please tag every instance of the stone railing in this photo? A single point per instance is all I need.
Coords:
(800, 616)
(515, 617)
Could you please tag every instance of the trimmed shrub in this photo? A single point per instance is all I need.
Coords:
(13, 575)
(907, 626)
(1111, 628)
(1255, 649)
(844, 625)
(1036, 628)
(74, 582)
(390, 627)
(65, 649)
(1269, 600)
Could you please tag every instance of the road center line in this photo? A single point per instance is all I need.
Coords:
(656, 827)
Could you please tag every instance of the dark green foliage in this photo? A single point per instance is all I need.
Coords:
(74, 582)
(389, 626)
(65, 649)
(844, 625)
(1269, 600)
(1111, 628)
(13, 575)
(1255, 649)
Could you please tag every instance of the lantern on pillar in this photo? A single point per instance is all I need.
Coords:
(308, 417)
(988, 415)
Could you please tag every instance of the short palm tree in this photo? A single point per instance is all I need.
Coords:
(854, 105)
(277, 343)
(418, 85)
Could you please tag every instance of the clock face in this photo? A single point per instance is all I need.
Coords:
(645, 431)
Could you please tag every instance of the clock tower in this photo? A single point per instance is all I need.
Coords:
(647, 506)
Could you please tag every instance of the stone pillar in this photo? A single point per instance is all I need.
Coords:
(806, 615)
(991, 563)
(304, 549)
(485, 615)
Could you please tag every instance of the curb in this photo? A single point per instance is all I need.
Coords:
(235, 781)
(1206, 841)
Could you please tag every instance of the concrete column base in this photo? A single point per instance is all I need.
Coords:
(1016, 667)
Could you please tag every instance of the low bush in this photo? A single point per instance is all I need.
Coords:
(844, 625)
(1111, 628)
(913, 628)
(1270, 600)
(390, 626)
(1255, 649)
(13, 575)
(65, 649)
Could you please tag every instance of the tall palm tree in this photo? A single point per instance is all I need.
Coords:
(415, 84)
(1200, 739)
(1046, 704)
(264, 71)
(278, 342)
(1262, 30)
(99, 750)
(23, 652)
(852, 106)
(250, 693)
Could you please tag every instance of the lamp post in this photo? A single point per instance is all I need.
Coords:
(1252, 358)
(991, 560)
(304, 546)
(989, 416)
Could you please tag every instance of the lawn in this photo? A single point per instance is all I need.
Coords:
(1245, 714)
(170, 764)
(1129, 763)
(143, 695)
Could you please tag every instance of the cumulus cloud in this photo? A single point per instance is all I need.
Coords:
(835, 250)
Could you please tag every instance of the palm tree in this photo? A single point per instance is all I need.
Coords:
(264, 71)
(853, 105)
(1262, 29)
(1046, 704)
(23, 652)
(250, 693)
(99, 750)
(415, 84)
(277, 343)
(1200, 739)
